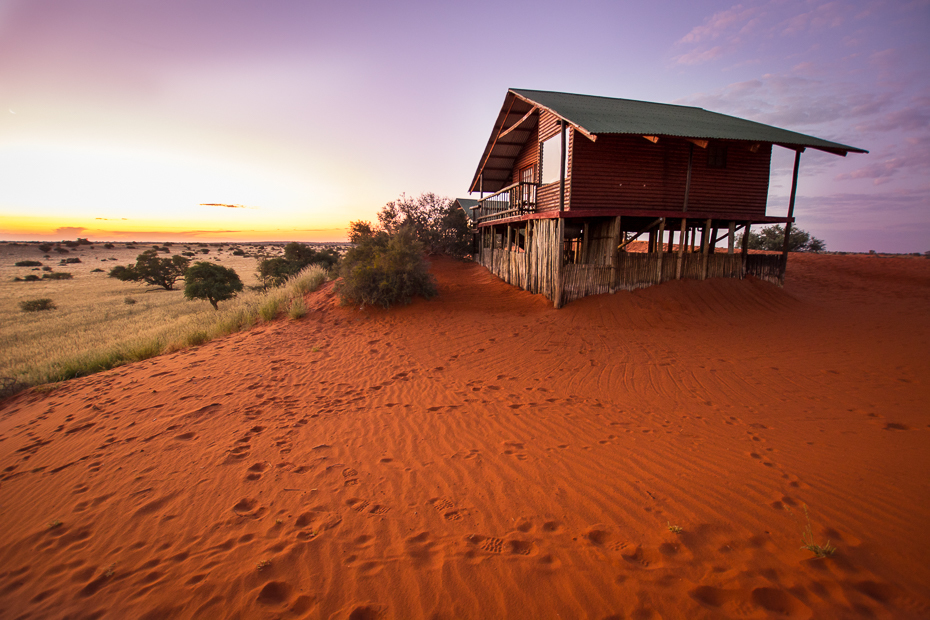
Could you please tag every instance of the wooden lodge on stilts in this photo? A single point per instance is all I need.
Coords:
(574, 179)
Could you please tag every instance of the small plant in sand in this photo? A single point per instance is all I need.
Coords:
(37, 305)
(110, 570)
(263, 564)
(807, 537)
(53, 524)
(298, 308)
(674, 529)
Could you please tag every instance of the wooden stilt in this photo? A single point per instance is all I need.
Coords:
(794, 190)
(705, 244)
(614, 249)
(681, 247)
(557, 263)
(730, 241)
(659, 249)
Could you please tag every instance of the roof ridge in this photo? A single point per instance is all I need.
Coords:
(559, 92)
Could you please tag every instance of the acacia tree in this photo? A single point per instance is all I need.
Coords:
(772, 239)
(151, 269)
(212, 282)
(432, 220)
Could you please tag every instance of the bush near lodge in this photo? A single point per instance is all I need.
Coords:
(212, 282)
(151, 269)
(384, 269)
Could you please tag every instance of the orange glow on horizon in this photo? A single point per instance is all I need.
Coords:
(44, 228)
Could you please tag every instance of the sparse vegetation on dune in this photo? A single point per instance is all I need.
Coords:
(100, 323)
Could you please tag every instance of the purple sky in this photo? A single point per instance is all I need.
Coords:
(121, 116)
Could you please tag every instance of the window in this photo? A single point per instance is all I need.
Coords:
(716, 155)
(528, 192)
(551, 153)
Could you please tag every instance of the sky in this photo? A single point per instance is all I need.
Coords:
(215, 120)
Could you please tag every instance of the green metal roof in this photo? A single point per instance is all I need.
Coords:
(597, 115)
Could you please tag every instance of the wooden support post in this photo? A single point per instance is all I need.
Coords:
(671, 240)
(493, 249)
(732, 238)
(713, 240)
(585, 245)
(659, 249)
(683, 235)
(705, 243)
(744, 250)
(562, 170)
(557, 263)
(794, 190)
(613, 248)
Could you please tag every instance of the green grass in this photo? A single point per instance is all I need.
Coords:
(674, 529)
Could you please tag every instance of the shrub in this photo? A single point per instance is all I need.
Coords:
(151, 269)
(61, 251)
(71, 244)
(205, 251)
(238, 253)
(70, 261)
(28, 263)
(297, 256)
(36, 305)
(45, 248)
(385, 270)
(98, 270)
(57, 275)
(46, 268)
(108, 246)
(212, 282)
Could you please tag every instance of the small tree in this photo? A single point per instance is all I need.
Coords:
(772, 239)
(432, 219)
(212, 282)
(385, 270)
(151, 269)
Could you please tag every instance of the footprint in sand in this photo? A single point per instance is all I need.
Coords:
(255, 471)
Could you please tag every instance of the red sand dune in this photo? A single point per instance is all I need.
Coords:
(485, 456)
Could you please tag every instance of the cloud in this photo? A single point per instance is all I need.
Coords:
(722, 23)
(792, 101)
(912, 157)
(732, 30)
(70, 231)
(228, 206)
(109, 219)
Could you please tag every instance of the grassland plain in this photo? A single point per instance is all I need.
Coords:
(100, 322)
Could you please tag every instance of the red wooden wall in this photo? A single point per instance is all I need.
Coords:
(620, 171)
